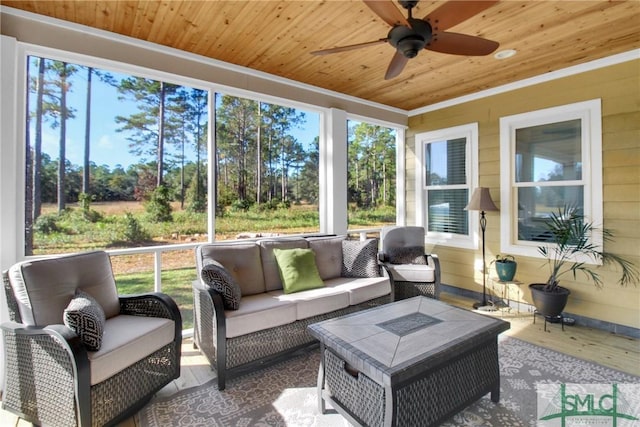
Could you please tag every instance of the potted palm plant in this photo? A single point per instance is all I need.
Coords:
(570, 242)
(506, 266)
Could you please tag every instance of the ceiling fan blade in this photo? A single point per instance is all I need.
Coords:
(455, 12)
(388, 12)
(396, 66)
(461, 44)
(346, 48)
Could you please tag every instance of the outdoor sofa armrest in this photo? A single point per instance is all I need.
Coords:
(384, 271)
(211, 337)
(432, 259)
(53, 351)
(154, 304)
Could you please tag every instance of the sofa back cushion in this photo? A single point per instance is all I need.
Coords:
(43, 288)
(241, 259)
(272, 280)
(328, 252)
(403, 244)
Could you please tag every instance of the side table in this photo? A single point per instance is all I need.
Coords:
(505, 289)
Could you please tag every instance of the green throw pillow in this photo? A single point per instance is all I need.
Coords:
(298, 269)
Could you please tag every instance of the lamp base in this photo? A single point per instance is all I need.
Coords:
(488, 306)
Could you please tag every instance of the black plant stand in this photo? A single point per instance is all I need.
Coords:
(554, 319)
(537, 313)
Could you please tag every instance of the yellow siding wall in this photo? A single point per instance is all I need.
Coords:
(619, 88)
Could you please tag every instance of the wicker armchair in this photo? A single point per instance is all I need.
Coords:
(414, 271)
(51, 377)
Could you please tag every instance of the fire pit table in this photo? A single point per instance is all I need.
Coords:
(414, 362)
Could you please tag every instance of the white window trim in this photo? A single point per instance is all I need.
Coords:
(470, 132)
(590, 112)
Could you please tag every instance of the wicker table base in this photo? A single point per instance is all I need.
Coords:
(415, 362)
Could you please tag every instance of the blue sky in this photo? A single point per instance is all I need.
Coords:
(109, 147)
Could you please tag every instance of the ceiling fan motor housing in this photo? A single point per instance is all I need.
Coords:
(410, 41)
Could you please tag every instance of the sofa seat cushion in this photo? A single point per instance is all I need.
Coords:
(412, 272)
(363, 289)
(259, 312)
(127, 339)
(315, 301)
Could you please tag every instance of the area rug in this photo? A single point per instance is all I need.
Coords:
(285, 394)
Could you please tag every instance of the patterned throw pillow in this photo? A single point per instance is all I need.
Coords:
(220, 280)
(407, 255)
(359, 258)
(85, 316)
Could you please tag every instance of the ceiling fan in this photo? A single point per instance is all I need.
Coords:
(410, 35)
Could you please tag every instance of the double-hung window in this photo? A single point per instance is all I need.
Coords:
(548, 159)
(447, 173)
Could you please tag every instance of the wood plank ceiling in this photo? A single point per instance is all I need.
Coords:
(277, 37)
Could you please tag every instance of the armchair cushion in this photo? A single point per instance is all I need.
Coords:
(126, 340)
(412, 273)
(359, 258)
(86, 318)
(219, 279)
(53, 282)
(406, 255)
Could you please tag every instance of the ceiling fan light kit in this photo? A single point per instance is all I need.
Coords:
(410, 35)
(504, 54)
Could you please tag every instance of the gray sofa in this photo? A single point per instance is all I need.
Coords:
(269, 322)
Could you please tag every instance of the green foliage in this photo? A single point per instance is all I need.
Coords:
(47, 224)
(371, 217)
(571, 238)
(196, 195)
(371, 165)
(240, 205)
(133, 231)
(84, 200)
(159, 205)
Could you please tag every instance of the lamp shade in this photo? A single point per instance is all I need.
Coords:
(481, 201)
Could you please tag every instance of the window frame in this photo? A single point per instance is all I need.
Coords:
(399, 160)
(590, 114)
(470, 132)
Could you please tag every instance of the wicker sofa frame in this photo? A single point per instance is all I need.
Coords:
(47, 371)
(232, 356)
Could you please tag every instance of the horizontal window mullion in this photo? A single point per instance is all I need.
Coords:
(447, 187)
(549, 183)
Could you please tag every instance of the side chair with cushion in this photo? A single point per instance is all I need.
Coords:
(414, 271)
(76, 352)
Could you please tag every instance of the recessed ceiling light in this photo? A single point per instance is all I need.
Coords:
(504, 54)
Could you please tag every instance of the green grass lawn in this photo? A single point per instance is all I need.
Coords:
(175, 283)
